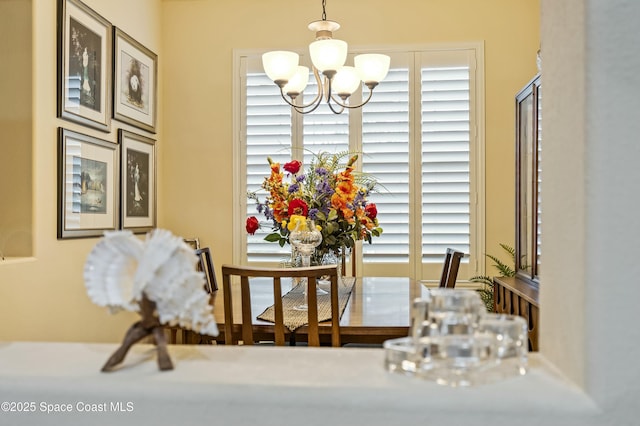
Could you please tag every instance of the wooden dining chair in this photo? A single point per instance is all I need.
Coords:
(450, 268)
(312, 274)
(205, 264)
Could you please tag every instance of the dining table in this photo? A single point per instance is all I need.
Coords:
(378, 309)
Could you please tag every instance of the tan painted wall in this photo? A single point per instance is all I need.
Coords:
(43, 298)
(15, 125)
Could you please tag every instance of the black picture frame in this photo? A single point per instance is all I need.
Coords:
(138, 202)
(88, 185)
(84, 44)
(135, 85)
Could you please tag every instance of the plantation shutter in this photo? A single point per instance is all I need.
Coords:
(445, 160)
(322, 129)
(269, 133)
(385, 147)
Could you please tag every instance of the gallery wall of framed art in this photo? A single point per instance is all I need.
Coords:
(104, 76)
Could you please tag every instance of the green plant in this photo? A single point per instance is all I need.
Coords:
(486, 292)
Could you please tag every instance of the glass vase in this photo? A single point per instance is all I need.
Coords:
(304, 239)
(330, 258)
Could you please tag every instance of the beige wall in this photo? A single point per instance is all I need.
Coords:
(15, 128)
(43, 298)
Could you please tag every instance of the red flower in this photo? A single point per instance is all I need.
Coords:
(293, 167)
(298, 207)
(371, 210)
(252, 225)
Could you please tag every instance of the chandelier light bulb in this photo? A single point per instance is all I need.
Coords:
(280, 65)
(345, 82)
(372, 67)
(297, 83)
(328, 55)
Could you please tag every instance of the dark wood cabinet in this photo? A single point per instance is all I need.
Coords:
(515, 296)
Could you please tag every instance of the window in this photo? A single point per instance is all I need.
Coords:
(418, 136)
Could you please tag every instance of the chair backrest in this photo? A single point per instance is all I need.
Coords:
(276, 274)
(205, 264)
(450, 268)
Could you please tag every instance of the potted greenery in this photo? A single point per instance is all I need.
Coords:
(486, 292)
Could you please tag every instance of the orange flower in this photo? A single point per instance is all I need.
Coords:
(279, 210)
(338, 202)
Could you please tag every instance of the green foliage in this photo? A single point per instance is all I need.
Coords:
(486, 292)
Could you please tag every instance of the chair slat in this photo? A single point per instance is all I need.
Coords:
(228, 310)
(279, 315)
(312, 311)
(247, 329)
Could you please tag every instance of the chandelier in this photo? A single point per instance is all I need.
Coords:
(328, 57)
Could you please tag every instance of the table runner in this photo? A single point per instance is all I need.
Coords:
(294, 319)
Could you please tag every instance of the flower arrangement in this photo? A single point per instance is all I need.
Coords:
(329, 192)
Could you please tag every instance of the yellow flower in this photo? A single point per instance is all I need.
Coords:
(297, 221)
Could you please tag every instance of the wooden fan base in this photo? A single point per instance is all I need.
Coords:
(148, 326)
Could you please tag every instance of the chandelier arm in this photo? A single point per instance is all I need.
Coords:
(353, 106)
(332, 108)
(315, 102)
(300, 108)
(329, 97)
(302, 111)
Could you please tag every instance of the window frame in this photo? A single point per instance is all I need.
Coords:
(471, 264)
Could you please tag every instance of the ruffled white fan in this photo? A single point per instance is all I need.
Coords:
(157, 278)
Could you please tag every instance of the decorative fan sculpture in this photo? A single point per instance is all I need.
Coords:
(157, 278)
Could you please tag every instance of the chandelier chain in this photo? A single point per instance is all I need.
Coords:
(324, 12)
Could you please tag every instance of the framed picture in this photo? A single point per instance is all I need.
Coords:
(138, 177)
(84, 65)
(135, 84)
(88, 184)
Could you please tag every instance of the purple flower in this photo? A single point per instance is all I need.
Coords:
(313, 213)
(324, 188)
(294, 187)
(321, 171)
(300, 178)
(268, 213)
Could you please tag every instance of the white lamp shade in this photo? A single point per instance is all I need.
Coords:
(280, 65)
(345, 82)
(372, 67)
(328, 55)
(298, 81)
